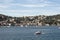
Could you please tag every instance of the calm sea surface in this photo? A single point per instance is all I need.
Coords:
(28, 33)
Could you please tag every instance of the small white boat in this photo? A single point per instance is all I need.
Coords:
(9, 25)
(37, 33)
(21, 25)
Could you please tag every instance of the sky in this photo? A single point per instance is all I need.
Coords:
(29, 7)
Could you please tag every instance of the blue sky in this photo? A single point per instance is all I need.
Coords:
(29, 7)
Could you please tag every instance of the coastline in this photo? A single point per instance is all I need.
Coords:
(40, 20)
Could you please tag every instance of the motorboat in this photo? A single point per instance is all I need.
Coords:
(37, 33)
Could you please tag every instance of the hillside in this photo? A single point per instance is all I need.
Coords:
(30, 20)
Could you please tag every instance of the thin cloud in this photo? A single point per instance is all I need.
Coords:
(4, 6)
(16, 11)
(7, 1)
(31, 5)
(38, 5)
(29, 12)
(36, 1)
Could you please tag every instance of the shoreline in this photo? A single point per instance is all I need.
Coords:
(40, 20)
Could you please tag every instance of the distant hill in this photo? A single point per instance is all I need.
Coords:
(5, 17)
(5, 20)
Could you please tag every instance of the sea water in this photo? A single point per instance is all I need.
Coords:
(27, 33)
